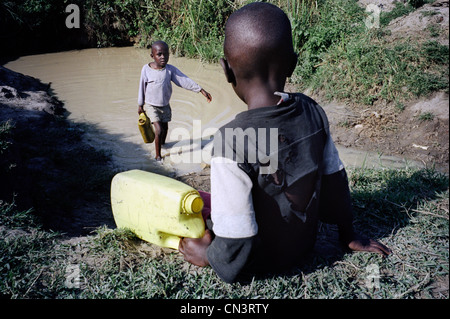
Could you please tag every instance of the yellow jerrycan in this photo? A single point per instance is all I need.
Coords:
(158, 209)
(146, 128)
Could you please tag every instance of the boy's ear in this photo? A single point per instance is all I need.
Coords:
(227, 70)
(293, 64)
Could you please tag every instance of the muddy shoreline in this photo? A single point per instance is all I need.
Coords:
(419, 132)
(46, 165)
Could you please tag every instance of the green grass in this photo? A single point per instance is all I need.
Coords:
(346, 61)
(27, 256)
(363, 71)
(399, 10)
(427, 116)
(405, 209)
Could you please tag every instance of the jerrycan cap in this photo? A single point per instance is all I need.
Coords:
(192, 203)
(142, 118)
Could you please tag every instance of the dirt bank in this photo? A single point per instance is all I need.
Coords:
(45, 163)
(419, 132)
(416, 130)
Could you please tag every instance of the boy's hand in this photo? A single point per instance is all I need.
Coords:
(140, 109)
(356, 242)
(361, 243)
(194, 249)
(207, 95)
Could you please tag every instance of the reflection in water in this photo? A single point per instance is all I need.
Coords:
(100, 86)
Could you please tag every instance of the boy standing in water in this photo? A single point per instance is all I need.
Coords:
(155, 90)
(265, 209)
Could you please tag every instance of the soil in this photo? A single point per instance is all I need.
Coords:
(418, 24)
(419, 133)
(36, 167)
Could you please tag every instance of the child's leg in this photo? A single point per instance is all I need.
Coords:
(160, 116)
(165, 128)
(158, 135)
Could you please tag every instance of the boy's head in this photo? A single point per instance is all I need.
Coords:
(258, 44)
(160, 53)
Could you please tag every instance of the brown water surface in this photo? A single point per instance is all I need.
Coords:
(99, 88)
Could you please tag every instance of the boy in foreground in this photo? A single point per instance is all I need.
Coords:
(275, 171)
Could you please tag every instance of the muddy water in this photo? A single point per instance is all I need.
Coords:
(99, 88)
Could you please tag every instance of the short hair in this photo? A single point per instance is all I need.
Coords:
(255, 35)
(159, 42)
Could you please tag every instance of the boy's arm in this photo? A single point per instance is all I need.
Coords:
(336, 205)
(336, 208)
(182, 80)
(235, 227)
(194, 249)
(141, 92)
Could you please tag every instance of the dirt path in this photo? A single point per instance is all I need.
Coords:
(419, 132)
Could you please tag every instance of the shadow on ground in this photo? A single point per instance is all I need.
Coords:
(47, 165)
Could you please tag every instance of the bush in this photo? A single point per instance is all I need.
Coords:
(317, 28)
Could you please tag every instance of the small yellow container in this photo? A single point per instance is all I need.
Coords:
(146, 128)
(158, 209)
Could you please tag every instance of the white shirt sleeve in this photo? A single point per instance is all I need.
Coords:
(331, 161)
(231, 200)
(142, 82)
(182, 80)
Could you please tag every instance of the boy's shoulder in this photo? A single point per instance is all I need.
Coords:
(168, 66)
(276, 113)
(304, 98)
(299, 108)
